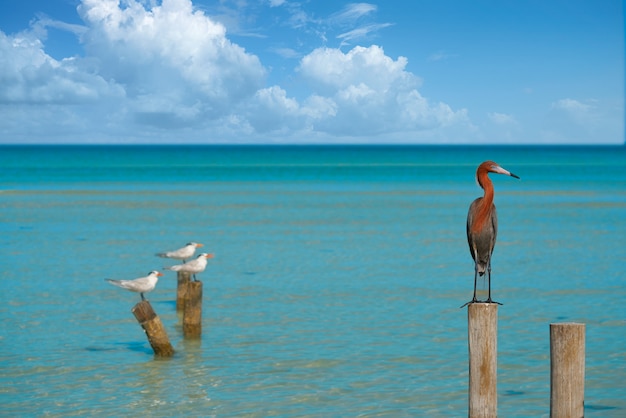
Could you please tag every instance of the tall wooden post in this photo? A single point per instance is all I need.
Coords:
(567, 370)
(150, 322)
(192, 314)
(482, 321)
(183, 279)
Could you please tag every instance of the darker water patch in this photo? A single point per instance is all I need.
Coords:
(513, 393)
(600, 407)
(137, 346)
(97, 349)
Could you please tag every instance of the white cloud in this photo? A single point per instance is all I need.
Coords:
(29, 75)
(142, 78)
(372, 93)
(501, 118)
(571, 105)
(351, 13)
(360, 32)
(271, 110)
(147, 51)
(286, 52)
(587, 121)
(348, 18)
(330, 69)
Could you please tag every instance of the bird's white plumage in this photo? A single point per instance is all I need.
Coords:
(182, 253)
(194, 266)
(139, 285)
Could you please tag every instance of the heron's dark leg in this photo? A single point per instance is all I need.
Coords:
(142, 298)
(474, 300)
(475, 279)
(489, 284)
(194, 277)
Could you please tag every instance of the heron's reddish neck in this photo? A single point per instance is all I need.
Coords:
(484, 210)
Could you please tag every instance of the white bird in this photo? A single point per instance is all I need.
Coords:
(182, 253)
(141, 285)
(194, 266)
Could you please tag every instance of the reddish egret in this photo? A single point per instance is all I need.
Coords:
(482, 225)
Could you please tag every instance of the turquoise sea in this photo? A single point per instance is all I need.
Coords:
(336, 284)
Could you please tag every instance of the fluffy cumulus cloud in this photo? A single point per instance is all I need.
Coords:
(360, 93)
(371, 93)
(176, 63)
(165, 71)
(29, 75)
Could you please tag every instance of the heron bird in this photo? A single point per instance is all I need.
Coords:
(482, 225)
(141, 285)
(194, 266)
(183, 253)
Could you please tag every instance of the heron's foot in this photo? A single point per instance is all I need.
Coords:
(474, 300)
(492, 301)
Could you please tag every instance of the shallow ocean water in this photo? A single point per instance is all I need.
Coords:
(335, 287)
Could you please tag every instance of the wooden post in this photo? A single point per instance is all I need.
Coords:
(183, 279)
(567, 370)
(482, 321)
(154, 329)
(192, 315)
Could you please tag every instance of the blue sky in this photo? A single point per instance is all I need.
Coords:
(281, 71)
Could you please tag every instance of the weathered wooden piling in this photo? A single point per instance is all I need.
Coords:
(183, 279)
(567, 370)
(192, 314)
(150, 322)
(482, 321)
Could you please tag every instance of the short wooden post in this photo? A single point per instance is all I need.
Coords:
(567, 370)
(482, 319)
(192, 314)
(150, 322)
(183, 279)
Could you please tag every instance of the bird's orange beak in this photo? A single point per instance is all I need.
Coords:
(199, 245)
(159, 274)
(209, 256)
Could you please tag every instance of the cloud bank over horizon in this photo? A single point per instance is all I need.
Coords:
(169, 72)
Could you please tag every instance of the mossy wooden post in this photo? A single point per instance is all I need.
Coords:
(482, 321)
(192, 314)
(183, 279)
(567, 370)
(150, 322)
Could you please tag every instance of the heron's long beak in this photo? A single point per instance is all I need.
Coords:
(500, 170)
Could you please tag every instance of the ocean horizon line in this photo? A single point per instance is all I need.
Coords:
(303, 145)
